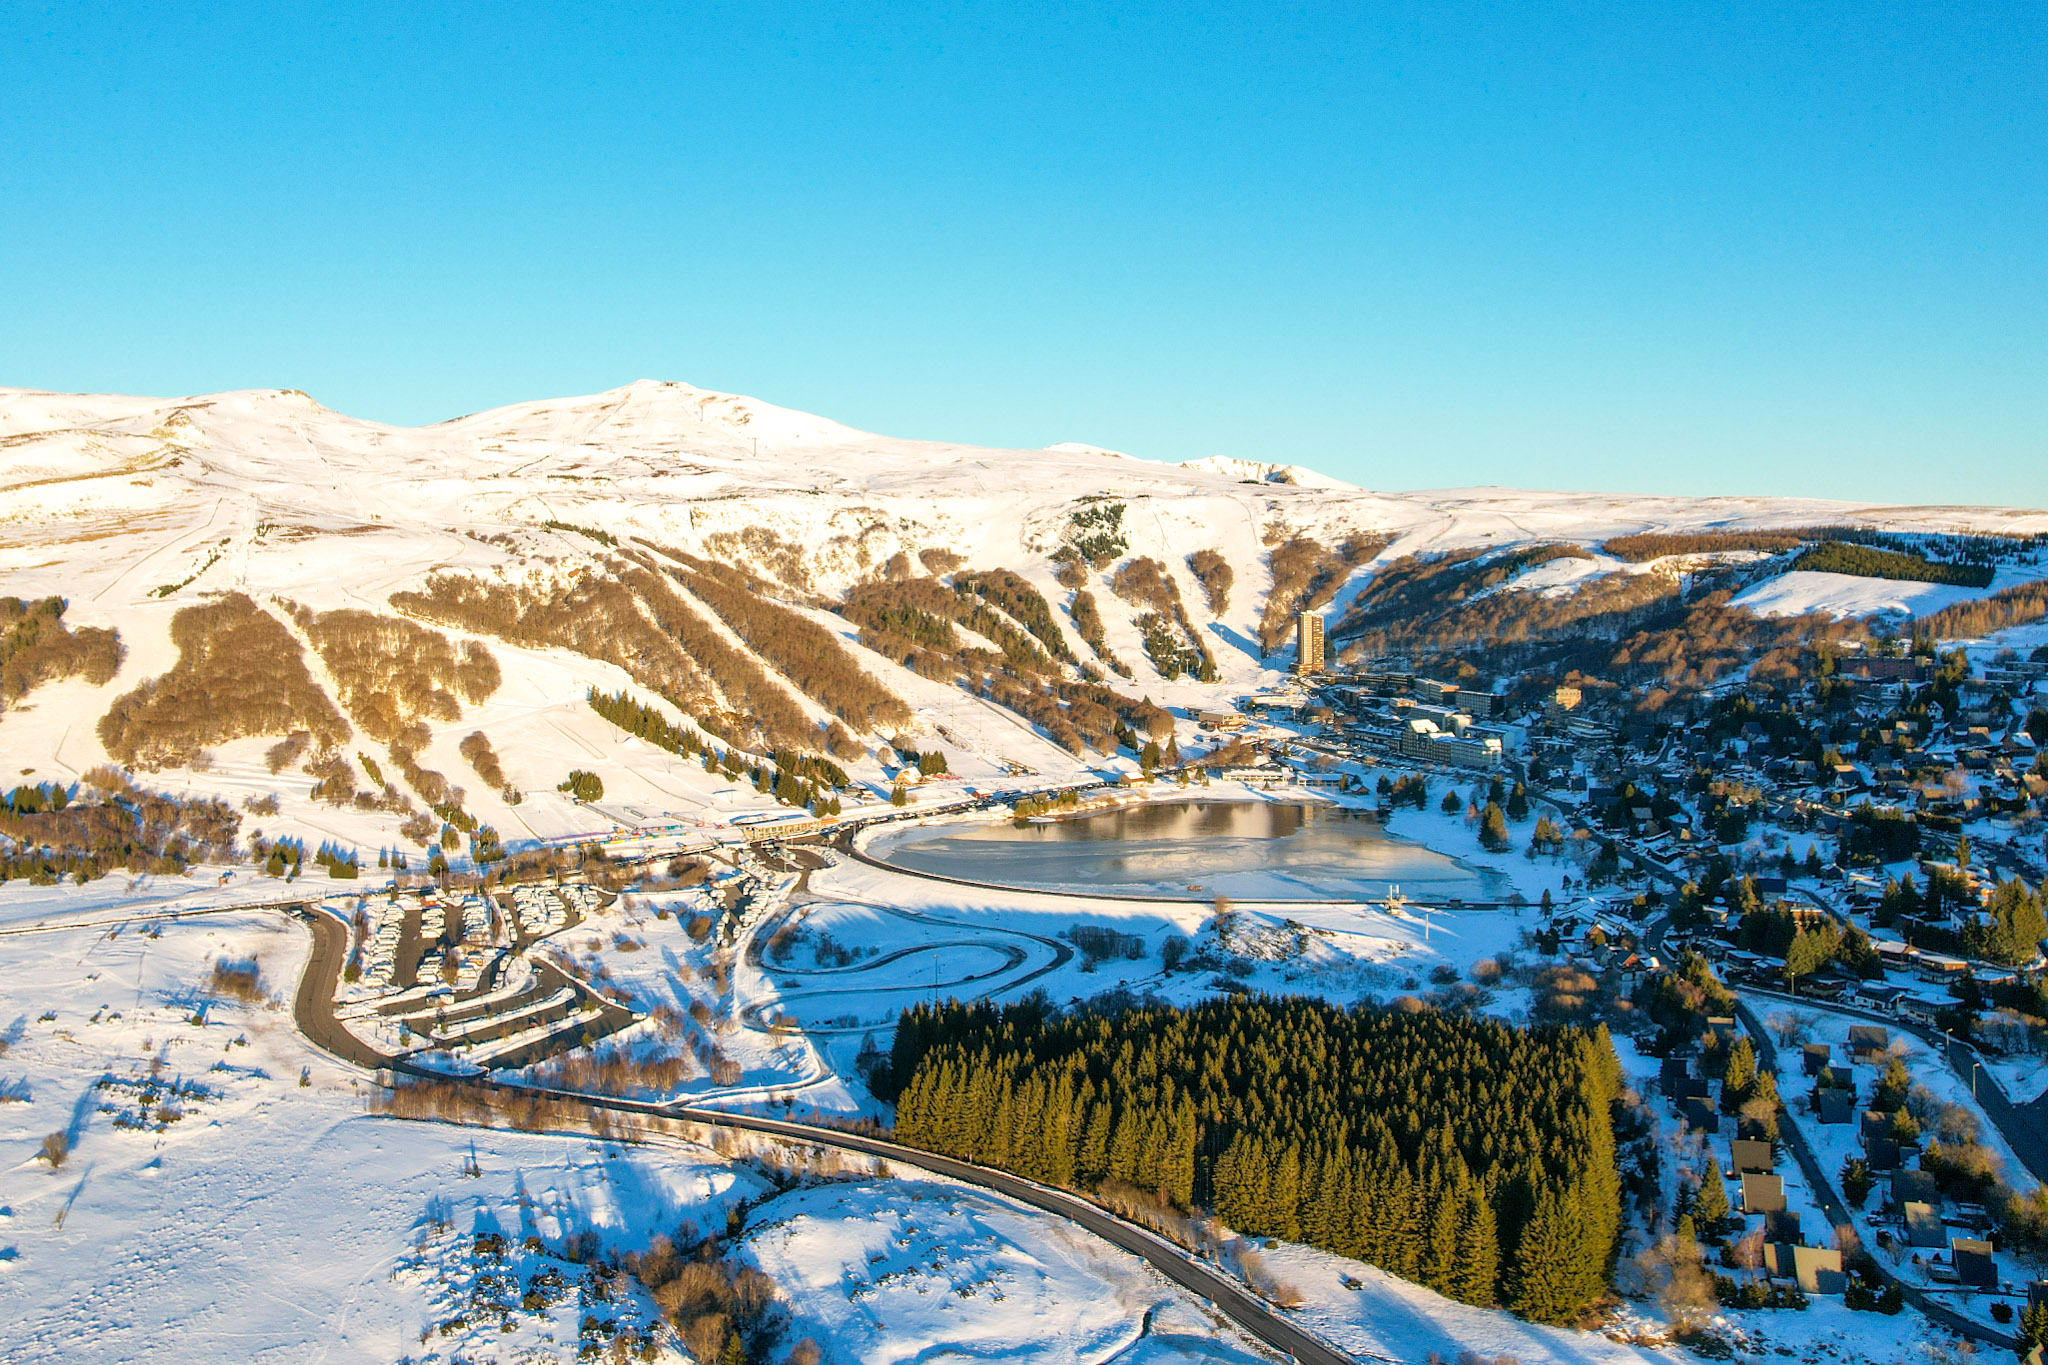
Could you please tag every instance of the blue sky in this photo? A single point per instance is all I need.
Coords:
(1689, 249)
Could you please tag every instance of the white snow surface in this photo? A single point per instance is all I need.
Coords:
(1841, 594)
(133, 508)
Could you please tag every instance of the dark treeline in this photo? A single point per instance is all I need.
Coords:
(799, 648)
(391, 672)
(1472, 1157)
(1432, 604)
(1171, 641)
(1015, 596)
(911, 622)
(2022, 604)
(1865, 561)
(49, 833)
(37, 647)
(1641, 549)
(1088, 621)
(476, 750)
(239, 672)
(595, 615)
(793, 777)
(629, 615)
(1215, 575)
(1306, 575)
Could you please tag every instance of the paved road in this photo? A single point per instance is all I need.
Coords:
(1231, 1299)
(313, 1004)
(56, 926)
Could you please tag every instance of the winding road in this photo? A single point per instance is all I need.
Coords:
(313, 1011)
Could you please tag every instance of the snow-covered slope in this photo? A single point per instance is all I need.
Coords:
(133, 508)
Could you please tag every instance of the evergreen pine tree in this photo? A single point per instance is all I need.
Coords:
(1123, 1146)
(1092, 1163)
(1478, 1260)
(1738, 1082)
(1546, 1274)
(1493, 829)
(1438, 1254)
(1286, 1194)
(1710, 1205)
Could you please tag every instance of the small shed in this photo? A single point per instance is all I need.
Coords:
(1923, 1226)
(1753, 1155)
(1763, 1193)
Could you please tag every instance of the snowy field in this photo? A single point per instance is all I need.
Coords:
(242, 1215)
(916, 1270)
(1840, 594)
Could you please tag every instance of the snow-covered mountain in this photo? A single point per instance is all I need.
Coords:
(135, 509)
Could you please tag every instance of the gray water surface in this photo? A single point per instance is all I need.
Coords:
(1244, 849)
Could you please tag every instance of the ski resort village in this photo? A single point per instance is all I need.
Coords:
(660, 876)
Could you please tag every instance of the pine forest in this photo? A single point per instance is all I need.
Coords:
(1464, 1154)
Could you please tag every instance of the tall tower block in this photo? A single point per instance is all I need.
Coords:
(1308, 642)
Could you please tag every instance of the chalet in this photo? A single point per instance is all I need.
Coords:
(1762, 1193)
(1941, 968)
(1913, 1187)
(1868, 1042)
(1783, 1225)
(1923, 1226)
(1879, 996)
(1974, 1266)
(1923, 1007)
(1753, 1157)
(1816, 1270)
(1835, 1106)
(1814, 1058)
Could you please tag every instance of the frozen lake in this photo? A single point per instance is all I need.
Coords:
(1247, 850)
